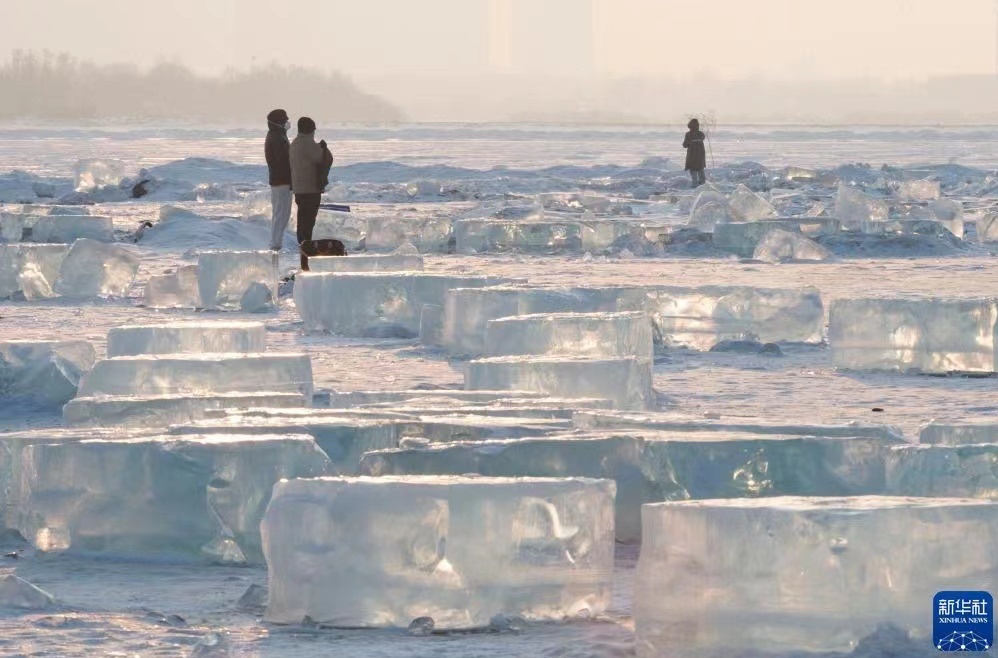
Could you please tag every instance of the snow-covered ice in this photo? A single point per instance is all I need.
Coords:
(932, 336)
(699, 318)
(182, 497)
(785, 576)
(165, 410)
(625, 381)
(372, 304)
(779, 246)
(186, 337)
(224, 277)
(199, 374)
(45, 372)
(459, 550)
(367, 263)
(66, 229)
(580, 334)
(97, 269)
(31, 270)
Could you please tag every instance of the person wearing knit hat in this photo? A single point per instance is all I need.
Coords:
(310, 163)
(696, 154)
(277, 150)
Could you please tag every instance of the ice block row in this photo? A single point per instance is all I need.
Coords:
(54, 229)
(88, 268)
(550, 235)
(221, 281)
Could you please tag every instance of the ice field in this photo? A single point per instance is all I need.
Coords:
(767, 371)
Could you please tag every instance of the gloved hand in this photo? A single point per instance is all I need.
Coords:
(323, 144)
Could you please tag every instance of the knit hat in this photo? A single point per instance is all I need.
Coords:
(278, 117)
(306, 125)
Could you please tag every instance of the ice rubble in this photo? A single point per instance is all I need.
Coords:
(199, 374)
(742, 238)
(917, 191)
(169, 496)
(494, 235)
(987, 228)
(46, 372)
(31, 270)
(225, 277)
(367, 263)
(710, 209)
(654, 466)
(950, 433)
(66, 229)
(949, 213)
(932, 336)
(625, 381)
(699, 318)
(428, 234)
(97, 269)
(186, 337)
(858, 211)
(806, 575)
(460, 551)
(94, 174)
(175, 290)
(366, 304)
(780, 246)
(579, 334)
(747, 206)
(165, 410)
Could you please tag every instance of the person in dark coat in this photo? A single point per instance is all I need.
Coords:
(277, 149)
(696, 154)
(310, 163)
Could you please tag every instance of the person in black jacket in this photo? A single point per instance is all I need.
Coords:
(696, 155)
(278, 151)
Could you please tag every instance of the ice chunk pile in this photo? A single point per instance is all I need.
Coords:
(747, 206)
(858, 211)
(199, 374)
(69, 228)
(31, 270)
(742, 238)
(495, 235)
(625, 381)
(227, 278)
(95, 174)
(699, 318)
(175, 290)
(44, 372)
(710, 209)
(158, 496)
(932, 336)
(779, 246)
(805, 575)
(166, 410)
(428, 234)
(918, 191)
(949, 213)
(579, 334)
(186, 337)
(459, 550)
(367, 263)
(97, 269)
(373, 304)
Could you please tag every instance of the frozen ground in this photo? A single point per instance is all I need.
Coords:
(126, 609)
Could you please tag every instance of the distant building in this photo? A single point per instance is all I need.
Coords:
(542, 37)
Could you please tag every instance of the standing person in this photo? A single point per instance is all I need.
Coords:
(310, 163)
(696, 154)
(277, 149)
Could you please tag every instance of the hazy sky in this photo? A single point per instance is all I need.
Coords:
(718, 38)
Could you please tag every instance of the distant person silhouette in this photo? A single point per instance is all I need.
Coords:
(277, 148)
(310, 163)
(696, 154)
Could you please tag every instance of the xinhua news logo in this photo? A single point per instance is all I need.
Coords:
(963, 621)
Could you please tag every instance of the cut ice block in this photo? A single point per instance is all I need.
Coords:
(858, 211)
(933, 336)
(579, 334)
(94, 174)
(468, 311)
(949, 213)
(225, 276)
(69, 228)
(625, 381)
(915, 191)
(47, 371)
(186, 337)
(959, 433)
(349, 399)
(182, 497)
(372, 304)
(382, 552)
(11, 227)
(366, 263)
(650, 466)
(941, 471)
(805, 574)
(166, 410)
(987, 228)
(200, 374)
(747, 206)
(428, 234)
(30, 269)
(779, 246)
(97, 269)
(176, 290)
(699, 318)
(461, 427)
(742, 238)
(348, 228)
(710, 209)
(494, 235)
(431, 325)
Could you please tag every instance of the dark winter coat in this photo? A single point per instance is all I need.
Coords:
(278, 151)
(696, 154)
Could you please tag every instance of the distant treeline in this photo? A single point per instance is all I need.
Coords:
(58, 86)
